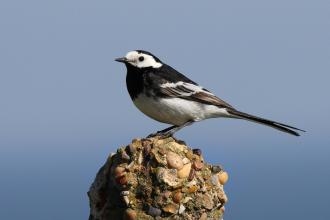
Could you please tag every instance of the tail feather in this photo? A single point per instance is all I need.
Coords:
(279, 126)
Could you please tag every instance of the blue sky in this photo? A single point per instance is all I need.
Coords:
(64, 105)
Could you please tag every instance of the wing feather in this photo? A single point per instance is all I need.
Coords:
(192, 92)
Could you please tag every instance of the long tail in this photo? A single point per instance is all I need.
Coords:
(282, 127)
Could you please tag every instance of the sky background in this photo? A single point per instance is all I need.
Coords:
(64, 105)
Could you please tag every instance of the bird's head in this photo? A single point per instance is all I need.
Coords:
(140, 59)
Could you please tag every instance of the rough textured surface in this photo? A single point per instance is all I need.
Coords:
(157, 178)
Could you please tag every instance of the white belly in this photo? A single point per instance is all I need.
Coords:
(177, 111)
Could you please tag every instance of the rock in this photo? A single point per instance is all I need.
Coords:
(223, 177)
(186, 199)
(121, 180)
(168, 176)
(197, 151)
(184, 171)
(177, 197)
(157, 178)
(198, 165)
(126, 200)
(118, 171)
(130, 214)
(192, 189)
(124, 193)
(171, 208)
(181, 209)
(216, 169)
(191, 175)
(125, 155)
(185, 160)
(207, 202)
(175, 146)
(215, 180)
(140, 157)
(154, 211)
(203, 216)
(174, 160)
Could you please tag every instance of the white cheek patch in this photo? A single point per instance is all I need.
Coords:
(148, 61)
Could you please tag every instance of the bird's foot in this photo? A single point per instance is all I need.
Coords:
(167, 132)
(160, 134)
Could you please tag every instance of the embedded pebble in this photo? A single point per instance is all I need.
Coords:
(126, 200)
(129, 166)
(119, 171)
(167, 194)
(124, 155)
(177, 197)
(171, 208)
(215, 180)
(131, 148)
(207, 202)
(198, 165)
(185, 160)
(191, 175)
(203, 216)
(140, 158)
(216, 169)
(191, 183)
(189, 155)
(154, 211)
(222, 197)
(197, 151)
(160, 142)
(174, 146)
(124, 193)
(158, 157)
(168, 176)
(136, 142)
(181, 209)
(130, 214)
(174, 160)
(192, 189)
(184, 171)
(203, 188)
(223, 177)
(122, 180)
(186, 199)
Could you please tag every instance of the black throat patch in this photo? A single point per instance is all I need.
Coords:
(134, 81)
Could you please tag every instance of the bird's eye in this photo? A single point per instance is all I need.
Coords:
(141, 58)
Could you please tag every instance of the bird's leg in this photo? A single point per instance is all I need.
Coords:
(168, 132)
(162, 131)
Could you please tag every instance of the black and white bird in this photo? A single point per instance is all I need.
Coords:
(164, 94)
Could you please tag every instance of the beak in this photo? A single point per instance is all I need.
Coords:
(122, 60)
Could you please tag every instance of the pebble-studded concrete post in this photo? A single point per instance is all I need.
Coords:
(157, 178)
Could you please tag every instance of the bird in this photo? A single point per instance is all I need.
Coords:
(166, 95)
